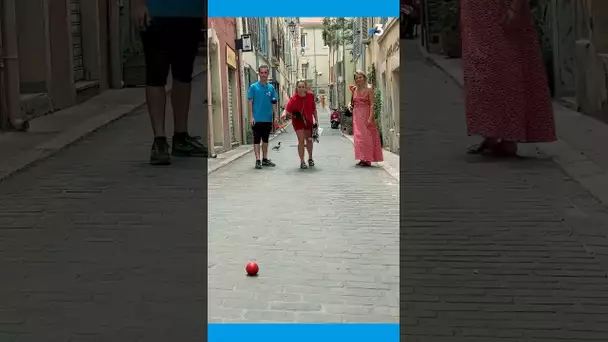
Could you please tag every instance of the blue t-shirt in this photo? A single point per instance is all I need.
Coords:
(176, 8)
(262, 96)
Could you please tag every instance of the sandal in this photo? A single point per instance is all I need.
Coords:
(303, 165)
(485, 146)
(311, 162)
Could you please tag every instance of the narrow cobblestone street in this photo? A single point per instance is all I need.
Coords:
(326, 238)
(97, 245)
(491, 251)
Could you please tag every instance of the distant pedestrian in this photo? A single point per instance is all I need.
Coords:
(368, 148)
(506, 89)
(263, 101)
(410, 17)
(303, 110)
(170, 32)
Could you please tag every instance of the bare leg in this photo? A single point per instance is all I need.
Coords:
(309, 144)
(301, 141)
(157, 101)
(487, 144)
(256, 150)
(264, 150)
(180, 100)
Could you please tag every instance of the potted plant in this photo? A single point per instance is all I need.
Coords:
(371, 78)
(347, 125)
(448, 23)
(540, 12)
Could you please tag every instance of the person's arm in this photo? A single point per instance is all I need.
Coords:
(275, 106)
(250, 97)
(315, 114)
(370, 94)
(140, 14)
(288, 109)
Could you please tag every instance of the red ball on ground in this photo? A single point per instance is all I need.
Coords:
(252, 268)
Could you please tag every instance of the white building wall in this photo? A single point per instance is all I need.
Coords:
(315, 53)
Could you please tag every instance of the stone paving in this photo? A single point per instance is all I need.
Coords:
(491, 251)
(326, 239)
(97, 245)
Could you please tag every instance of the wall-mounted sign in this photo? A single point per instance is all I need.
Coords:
(230, 57)
(247, 46)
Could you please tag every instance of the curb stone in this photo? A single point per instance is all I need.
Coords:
(71, 136)
(244, 151)
(389, 168)
(572, 162)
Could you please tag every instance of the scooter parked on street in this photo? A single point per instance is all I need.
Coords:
(335, 119)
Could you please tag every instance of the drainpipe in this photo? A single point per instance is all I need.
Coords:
(9, 68)
(210, 76)
(240, 30)
(116, 8)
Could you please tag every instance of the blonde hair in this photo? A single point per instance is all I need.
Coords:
(362, 73)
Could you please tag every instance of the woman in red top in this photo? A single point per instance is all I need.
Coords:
(303, 110)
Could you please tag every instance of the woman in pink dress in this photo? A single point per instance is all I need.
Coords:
(506, 89)
(368, 148)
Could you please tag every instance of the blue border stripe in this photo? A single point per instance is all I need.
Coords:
(303, 332)
(311, 8)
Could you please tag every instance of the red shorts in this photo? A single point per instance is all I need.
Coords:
(299, 124)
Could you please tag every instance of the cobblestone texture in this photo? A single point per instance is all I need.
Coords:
(326, 239)
(96, 245)
(491, 250)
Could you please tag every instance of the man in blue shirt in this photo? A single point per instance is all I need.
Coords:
(170, 32)
(263, 101)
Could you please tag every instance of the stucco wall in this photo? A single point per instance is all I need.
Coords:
(225, 29)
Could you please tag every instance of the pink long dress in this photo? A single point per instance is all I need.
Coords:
(506, 89)
(366, 136)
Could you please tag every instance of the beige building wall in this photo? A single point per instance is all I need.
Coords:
(46, 48)
(383, 53)
(388, 72)
(314, 54)
(590, 56)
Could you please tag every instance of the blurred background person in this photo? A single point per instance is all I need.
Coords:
(410, 17)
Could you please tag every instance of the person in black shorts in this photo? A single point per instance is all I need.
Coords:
(263, 101)
(170, 32)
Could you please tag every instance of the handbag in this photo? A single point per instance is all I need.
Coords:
(300, 115)
(316, 131)
(348, 112)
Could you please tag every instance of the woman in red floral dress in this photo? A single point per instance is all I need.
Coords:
(506, 89)
(366, 136)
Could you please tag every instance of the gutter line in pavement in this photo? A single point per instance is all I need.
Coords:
(72, 135)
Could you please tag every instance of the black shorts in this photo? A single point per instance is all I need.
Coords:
(261, 132)
(171, 43)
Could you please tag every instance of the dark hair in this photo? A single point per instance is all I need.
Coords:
(263, 67)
